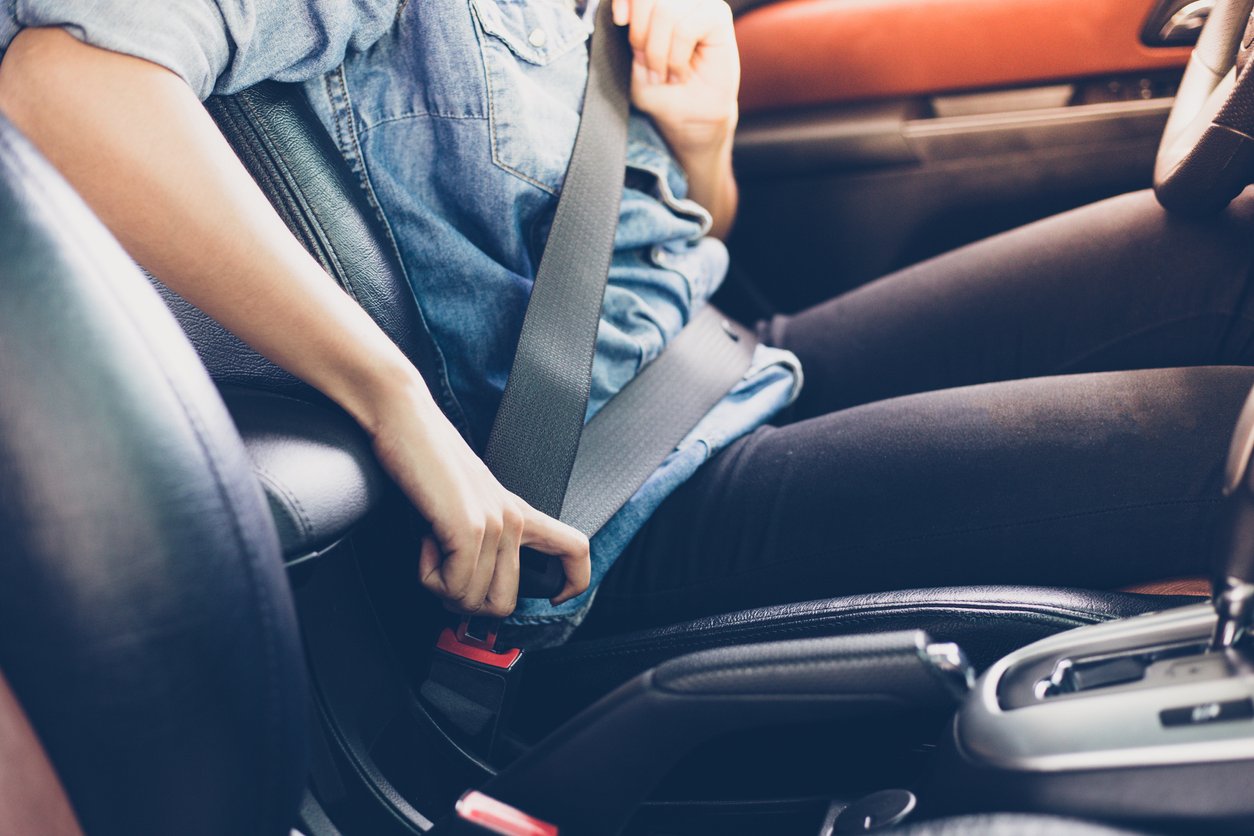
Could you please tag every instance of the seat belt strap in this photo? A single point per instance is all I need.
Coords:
(637, 429)
(539, 447)
(535, 436)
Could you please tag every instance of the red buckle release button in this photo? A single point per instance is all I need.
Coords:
(499, 817)
(503, 659)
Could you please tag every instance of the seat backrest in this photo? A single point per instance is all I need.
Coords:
(146, 625)
(284, 147)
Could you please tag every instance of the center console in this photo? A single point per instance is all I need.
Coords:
(1148, 719)
(1140, 720)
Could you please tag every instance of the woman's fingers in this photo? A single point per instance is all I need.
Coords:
(503, 589)
(657, 46)
(578, 577)
(666, 34)
(476, 593)
(566, 544)
(458, 579)
(641, 15)
(622, 12)
(430, 559)
(683, 45)
(477, 572)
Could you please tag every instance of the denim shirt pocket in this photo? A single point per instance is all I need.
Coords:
(535, 64)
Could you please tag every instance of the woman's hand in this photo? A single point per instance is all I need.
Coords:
(686, 69)
(471, 557)
(686, 76)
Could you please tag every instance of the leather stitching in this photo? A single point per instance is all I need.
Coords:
(721, 637)
(296, 209)
(291, 503)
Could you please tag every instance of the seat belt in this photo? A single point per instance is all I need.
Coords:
(539, 447)
(535, 436)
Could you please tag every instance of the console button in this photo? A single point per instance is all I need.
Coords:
(1207, 712)
(1086, 676)
(1199, 667)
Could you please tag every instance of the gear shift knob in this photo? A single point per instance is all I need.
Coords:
(1234, 581)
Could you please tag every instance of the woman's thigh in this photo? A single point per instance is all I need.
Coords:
(1116, 285)
(1094, 480)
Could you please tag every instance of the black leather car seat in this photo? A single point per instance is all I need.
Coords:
(285, 148)
(146, 625)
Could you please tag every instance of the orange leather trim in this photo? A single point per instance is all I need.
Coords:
(1177, 586)
(810, 52)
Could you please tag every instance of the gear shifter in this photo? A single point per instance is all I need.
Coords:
(1234, 582)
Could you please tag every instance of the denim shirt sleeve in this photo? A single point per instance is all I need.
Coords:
(216, 46)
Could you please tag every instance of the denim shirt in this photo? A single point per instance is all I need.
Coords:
(458, 116)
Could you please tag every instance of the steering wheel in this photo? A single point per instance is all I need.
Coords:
(1206, 156)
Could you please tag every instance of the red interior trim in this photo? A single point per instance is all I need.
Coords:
(449, 643)
(811, 52)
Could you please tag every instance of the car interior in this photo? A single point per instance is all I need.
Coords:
(210, 619)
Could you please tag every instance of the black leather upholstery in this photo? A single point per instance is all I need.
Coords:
(592, 775)
(145, 621)
(315, 464)
(879, 666)
(987, 621)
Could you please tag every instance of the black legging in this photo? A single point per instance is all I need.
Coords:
(885, 476)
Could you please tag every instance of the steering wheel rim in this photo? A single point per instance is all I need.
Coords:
(1206, 156)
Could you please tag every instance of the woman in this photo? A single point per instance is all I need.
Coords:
(458, 115)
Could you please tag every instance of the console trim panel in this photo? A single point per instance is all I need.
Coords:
(1110, 728)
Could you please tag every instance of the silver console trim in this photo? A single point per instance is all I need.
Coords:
(1104, 730)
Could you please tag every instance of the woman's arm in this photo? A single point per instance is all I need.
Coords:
(136, 143)
(686, 76)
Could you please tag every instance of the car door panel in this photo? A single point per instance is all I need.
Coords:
(811, 52)
(876, 133)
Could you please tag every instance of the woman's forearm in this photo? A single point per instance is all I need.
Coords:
(712, 183)
(135, 142)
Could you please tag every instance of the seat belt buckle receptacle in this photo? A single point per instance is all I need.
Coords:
(471, 683)
(475, 639)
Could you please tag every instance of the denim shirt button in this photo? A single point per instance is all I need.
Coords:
(538, 37)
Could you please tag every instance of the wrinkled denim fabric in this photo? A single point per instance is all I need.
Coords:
(459, 116)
